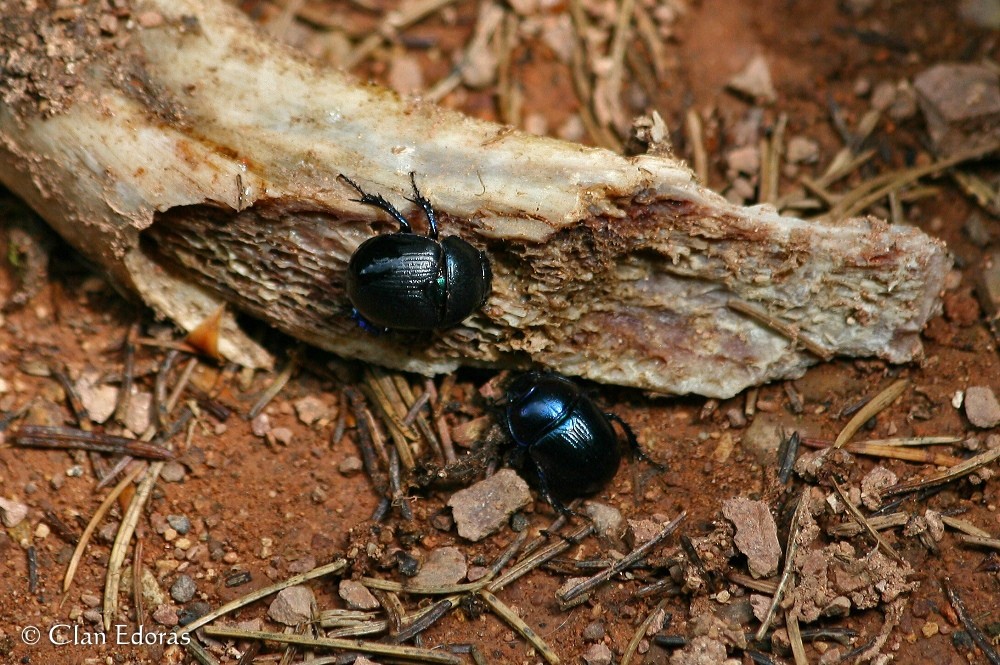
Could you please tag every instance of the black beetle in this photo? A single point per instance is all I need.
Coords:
(571, 446)
(411, 282)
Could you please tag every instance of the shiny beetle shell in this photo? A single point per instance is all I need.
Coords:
(406, 281)
(570, 444)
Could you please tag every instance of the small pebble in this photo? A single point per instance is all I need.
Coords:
(802, 150)
(137, 417)
(483, 508)
(981, 406)
(311, 409)
(100, 401)
(173, 472)
(442, 521)
(445, 565)
(883, 96)
(238, 578)
(260, 425)
(930, 629)
(183, 589)
(165, 615)
(594, 632)
(150, 19)
(755, 81)
(961, 105)
(12, 512)
(357, 596)
(745, 160)
(350, 465)
(179, 523)
(282, 435)
(303, 565)
(597, 654)
(641, 531)
(518, 522)
(293, 605)
(737, 419)
(756, 534)
(607, 520)
(476, 573)
(193, 611)
(407, 564)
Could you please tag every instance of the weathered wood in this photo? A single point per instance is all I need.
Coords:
(196, 161)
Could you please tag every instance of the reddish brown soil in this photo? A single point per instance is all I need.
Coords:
(239, 490)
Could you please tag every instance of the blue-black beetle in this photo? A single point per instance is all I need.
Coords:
(407, 281)
(571, 446)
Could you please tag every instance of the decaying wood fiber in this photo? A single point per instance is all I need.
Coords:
(197, 163)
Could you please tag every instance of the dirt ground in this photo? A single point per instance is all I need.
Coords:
(282, 493)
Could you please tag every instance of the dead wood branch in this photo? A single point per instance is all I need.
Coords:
(195, 161)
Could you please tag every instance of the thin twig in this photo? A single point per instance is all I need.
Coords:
(874, 189)
(696, 139)
(869, 410)
(767, 587)
(623, 563)
(770, 170)
(795, 639)
(102, 509)
(787, 454)
(381, 392)
(963, 526)
(970, 626)
(128, 374)
(389, 650)
(791, 547)
(953, 473)
(599, 134)
(425, 619)
(140, 612)
(394, 21)
(201, 654)
(272, 390)
(860, 519)
(908, 453)
(979, 541)
(540, 557)
(55, 437)
(640, 632)
(879, 523)
(515, 622)
(787, 330)
(125, 530)
(131, 517)
(319, 571)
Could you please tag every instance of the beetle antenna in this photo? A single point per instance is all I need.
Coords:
(378, 201)
(633, 442)
(428, 209)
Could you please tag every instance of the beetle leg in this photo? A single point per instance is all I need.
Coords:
(633, 442)
(428, 209)
(550, 498)
(378, 201)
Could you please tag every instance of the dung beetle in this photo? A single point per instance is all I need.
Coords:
(407, 281)
(571, 446)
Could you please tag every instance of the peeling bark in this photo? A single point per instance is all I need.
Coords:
(197, 162)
